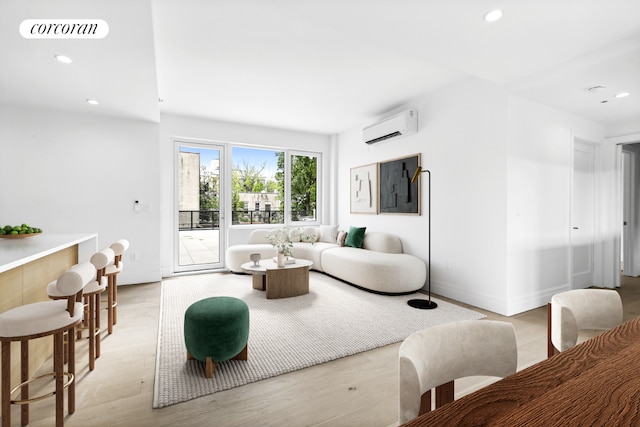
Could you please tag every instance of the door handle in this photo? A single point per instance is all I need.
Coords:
(575, 228)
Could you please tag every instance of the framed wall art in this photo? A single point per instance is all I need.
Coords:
(397, 194)
(364, 189)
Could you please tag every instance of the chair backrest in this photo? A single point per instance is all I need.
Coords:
(101, 260)
(119, 247)
(71, 282)
(436, 356)
(578, 309)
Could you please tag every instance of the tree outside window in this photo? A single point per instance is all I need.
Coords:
(263, 184)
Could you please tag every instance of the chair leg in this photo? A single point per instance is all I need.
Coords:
(115, 299)
(6, 383)
(58, 368)
(92, 333)
(110, 306)
(24, 376)
(444, 394)
(98, 331)
(425, 403)
(85, 318)
(71, 367)
(551, 350)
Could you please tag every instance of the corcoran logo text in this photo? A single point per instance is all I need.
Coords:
(64, 28)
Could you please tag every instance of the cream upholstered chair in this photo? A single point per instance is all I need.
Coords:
(435, 357)
(111, 272)
(100, 261)
(580, 309)
(91, 294)
(40, 319)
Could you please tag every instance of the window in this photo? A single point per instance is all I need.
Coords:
(303, 194)
(283, 182)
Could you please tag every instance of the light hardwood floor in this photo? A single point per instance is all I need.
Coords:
(360, 390)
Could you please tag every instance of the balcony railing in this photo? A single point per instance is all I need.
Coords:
(210, 219)
(198, 220)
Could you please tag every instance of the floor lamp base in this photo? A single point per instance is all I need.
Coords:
(422, 304)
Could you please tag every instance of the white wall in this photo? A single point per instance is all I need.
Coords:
(462, 141)
(622, 129)
(539, 193)
(501, 169)
(191, 129)
(77, 173)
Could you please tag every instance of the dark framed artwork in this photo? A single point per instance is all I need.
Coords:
(397, 194)
(364, 189)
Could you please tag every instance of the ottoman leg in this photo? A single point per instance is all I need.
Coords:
(189, 356)
(210, 367)
(243, 355)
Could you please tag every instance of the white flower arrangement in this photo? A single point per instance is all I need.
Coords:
(280, 240)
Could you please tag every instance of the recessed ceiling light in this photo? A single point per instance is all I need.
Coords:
(92, 102)
(595, 89)
(623, 95)
(64, 59)
(493, 16)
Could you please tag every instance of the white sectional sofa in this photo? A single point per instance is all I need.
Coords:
(379, 266)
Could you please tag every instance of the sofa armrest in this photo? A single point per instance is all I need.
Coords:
(382, 242)
(259, 236)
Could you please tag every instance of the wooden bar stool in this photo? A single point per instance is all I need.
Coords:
(47, 318)
(111, 272)
(91, 294)
(93, 291)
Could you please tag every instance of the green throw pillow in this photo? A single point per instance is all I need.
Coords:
(355, 237)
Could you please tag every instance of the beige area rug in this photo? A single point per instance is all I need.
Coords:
(334, 320)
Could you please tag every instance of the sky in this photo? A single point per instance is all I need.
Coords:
(255, 158)
(239, 155)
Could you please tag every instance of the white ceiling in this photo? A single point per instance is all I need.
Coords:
(321, 66)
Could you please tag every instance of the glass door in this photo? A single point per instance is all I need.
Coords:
(199, 221)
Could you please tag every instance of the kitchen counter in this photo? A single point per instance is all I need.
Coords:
(17, 252)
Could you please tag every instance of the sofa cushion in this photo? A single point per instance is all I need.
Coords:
(342, 236)
(355, 237)
(309, 234)
(328, 233)
(312, 252)
(294, 234)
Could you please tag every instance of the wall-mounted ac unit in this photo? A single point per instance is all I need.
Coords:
(404, 123)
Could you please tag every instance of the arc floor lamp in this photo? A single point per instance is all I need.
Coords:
(425, 304)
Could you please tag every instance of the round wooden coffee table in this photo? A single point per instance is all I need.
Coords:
(292, 280)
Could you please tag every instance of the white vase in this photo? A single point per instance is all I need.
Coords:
(281, 259)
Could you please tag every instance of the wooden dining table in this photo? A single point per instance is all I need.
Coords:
(596, 383)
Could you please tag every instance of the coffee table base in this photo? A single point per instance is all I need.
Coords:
(286, 283)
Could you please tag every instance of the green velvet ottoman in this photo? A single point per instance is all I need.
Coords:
(216, 329)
